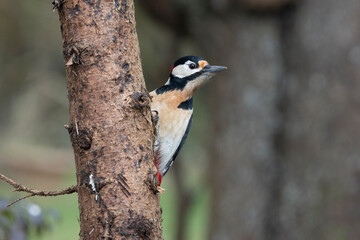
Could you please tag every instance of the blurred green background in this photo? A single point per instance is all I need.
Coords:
(273, 152)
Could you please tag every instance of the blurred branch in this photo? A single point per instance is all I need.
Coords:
(33, 192)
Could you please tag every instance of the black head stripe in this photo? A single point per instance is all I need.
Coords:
(177, 83)
(174, 85)
(183, 60)
(192, 76)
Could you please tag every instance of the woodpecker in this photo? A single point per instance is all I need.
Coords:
(172, 104)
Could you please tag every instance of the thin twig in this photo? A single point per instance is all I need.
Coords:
(19, 199)
(33, 192)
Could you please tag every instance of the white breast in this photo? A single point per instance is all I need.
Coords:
(173, 122)
(170, 136)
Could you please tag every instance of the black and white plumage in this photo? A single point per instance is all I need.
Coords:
(173, 103)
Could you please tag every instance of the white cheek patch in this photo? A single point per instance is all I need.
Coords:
(184, 70)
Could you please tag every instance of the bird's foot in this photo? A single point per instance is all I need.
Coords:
(155, 116)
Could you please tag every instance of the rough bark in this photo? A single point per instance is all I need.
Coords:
(110, 121)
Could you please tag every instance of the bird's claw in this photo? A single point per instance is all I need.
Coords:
(155, 116)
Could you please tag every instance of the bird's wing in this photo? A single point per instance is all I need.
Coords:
(182, 142)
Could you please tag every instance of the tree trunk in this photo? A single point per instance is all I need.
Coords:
(110, 121)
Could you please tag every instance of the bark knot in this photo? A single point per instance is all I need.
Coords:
(137, 226)
(57, 4)
(139, 100)
(80, 137)
(141, 226)
(73, 54)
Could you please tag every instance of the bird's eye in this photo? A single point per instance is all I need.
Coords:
(192, 65)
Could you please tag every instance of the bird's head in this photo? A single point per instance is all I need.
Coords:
(190, 72)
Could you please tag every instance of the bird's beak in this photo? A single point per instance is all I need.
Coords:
(211, 69)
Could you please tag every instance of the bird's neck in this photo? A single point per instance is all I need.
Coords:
(187, 86)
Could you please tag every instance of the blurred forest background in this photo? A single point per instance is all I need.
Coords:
(274, 150)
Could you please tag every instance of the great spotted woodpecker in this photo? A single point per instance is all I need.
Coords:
(172, 103)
